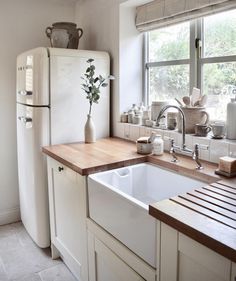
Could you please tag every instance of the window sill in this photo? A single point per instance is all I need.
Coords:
(216, 148)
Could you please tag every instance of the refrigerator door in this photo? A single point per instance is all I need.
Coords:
(32, 134)
(69, 106)
(33, 77)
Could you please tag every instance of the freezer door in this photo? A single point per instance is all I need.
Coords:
(33, 77)
(69, 106)
(32, 134)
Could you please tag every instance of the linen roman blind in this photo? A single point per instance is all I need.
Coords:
(160, 13)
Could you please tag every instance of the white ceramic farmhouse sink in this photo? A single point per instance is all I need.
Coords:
(119, 199)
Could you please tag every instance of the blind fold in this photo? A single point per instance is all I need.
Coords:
(160, 13)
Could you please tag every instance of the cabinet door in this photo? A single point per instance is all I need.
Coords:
(183, 259)
(105, 265)
(68, 210)
(233, 274)
(197, 262)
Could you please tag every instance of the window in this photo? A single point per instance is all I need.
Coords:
(200, 53)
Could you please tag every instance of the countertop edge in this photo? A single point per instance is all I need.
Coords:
(197, 235)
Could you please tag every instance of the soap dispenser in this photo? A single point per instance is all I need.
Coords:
(231, 117)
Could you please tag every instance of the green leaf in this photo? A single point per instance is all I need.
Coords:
(104, 85)
(90, 60)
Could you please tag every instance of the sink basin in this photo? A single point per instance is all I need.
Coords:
(119, 199)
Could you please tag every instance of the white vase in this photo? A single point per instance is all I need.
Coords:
(89, 130)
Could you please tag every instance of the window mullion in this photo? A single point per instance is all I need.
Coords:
(199, 53)
(193, 56)
(167, 63)
(145, 97)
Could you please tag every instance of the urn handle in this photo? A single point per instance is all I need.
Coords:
(80, 32)
(48, 31)
(207, 116)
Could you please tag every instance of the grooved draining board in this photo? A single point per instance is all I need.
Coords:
(206, 214)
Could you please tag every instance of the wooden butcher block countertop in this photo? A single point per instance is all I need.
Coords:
(103, 155)
(208, 214)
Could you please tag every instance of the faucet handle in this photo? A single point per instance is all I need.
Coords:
(201, 146)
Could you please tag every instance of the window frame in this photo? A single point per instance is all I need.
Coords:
(196, 60)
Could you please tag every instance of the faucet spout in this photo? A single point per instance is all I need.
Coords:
(183, 120)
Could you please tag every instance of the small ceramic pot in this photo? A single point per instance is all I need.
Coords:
(144, 148)
(202, 130)
(218, 130)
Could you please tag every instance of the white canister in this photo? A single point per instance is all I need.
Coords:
(130, 116)
(231, 117)
(124, 117)
(134, 108)
(137, 119)
(145, 117)
(158, 145)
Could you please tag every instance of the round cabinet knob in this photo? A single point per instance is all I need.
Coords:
(60, 169)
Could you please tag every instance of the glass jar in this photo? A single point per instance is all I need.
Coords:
(158, 145)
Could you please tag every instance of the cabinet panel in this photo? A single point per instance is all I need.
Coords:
(132, 261)
(105, 265)
(68, 211)
(190, 269)
(205, 260)
(233, 273)
(169, 253)
(183, 259)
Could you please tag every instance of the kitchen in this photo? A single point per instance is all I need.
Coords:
(22, 28)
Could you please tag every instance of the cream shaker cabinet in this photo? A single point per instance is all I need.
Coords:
(183, 259)
(110, 260)
(68, 212)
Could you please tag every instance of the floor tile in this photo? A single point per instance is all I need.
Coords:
(22, 235)
(26, 260)
(3, 275)
(7, 244)
(57, 273)
(31, 277)
(21, 257)
(7, 230)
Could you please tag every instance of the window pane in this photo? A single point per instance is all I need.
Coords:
(219, 83)
(220, 34)
(170, 43)
(168, 82)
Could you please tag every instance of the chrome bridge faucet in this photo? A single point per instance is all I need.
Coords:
(174, 149)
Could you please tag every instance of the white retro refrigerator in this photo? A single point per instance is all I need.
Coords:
(51, 109)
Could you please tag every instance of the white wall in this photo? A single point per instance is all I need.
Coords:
(130, 59)
(110, 26)
(100, 22)
(22, 25)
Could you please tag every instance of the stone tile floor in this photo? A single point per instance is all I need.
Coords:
(22, 260)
